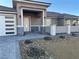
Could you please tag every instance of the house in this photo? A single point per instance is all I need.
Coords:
(63, 19)
(62, 23)
(32, 16)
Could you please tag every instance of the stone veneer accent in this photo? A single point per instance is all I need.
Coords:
(20, 30)
(35, 29)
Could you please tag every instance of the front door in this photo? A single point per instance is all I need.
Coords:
(26, 24)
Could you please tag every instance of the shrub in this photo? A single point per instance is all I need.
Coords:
(35, 52)
(47, 38)
(62, 37)
(73, 34)
(27, 41)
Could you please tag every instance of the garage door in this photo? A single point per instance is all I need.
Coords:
(7, 25)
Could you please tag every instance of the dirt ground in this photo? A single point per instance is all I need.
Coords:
(60, 49)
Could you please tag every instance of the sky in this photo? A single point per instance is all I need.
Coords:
(61, 6)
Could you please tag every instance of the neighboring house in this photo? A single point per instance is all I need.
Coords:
(31, 16)
(63, 19)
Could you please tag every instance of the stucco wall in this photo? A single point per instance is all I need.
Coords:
(60, 22)
(54, 21)
(34, 18)
(31, 6)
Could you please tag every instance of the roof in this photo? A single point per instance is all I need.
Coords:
(60, 15)
(54, 15)
(69, 15)
(40, 2)
(35, 2)
(3, 8)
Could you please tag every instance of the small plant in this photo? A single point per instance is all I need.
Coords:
(73, 34)
(47, 38)
(27, 41)
(35, 52)
(62, 37)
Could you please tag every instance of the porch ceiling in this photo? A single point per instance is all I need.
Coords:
(31, 11)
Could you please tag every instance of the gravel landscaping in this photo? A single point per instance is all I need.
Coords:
(57, 48)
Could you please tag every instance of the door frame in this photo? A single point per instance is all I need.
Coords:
(29, 22)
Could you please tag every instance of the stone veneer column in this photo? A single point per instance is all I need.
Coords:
(20, 31)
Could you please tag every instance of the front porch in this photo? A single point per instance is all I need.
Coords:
(30, 14)
(31, 19)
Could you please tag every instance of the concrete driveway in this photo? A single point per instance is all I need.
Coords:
(9, 50)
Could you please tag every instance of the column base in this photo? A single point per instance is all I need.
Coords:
(20, 31)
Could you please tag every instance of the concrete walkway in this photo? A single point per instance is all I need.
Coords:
(9, 46)
(9, 50)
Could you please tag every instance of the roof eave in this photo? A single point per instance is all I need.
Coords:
(36, 2)
(8, 12)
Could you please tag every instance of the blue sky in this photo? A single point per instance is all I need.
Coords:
(62, 6)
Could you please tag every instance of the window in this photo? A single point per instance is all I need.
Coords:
(9, 28)
(9, 17)
(10, 32)
(9, 21)
(9, 25)
(78, 21)
(68, 22)
(74, 22)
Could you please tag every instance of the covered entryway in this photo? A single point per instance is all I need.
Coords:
(7, 25)
(32, 20)
(37, 12)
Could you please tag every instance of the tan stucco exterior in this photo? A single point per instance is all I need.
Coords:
(20, 5)
(72, 21)
(34, 19)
